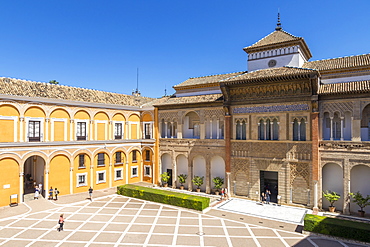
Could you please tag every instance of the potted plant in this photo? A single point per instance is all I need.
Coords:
(182, 179)
(198, 181)
(332, 197)
(218, 181)
(361, 201)
(164, 178)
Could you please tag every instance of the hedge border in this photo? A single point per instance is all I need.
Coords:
(162, 196)
(337, 227)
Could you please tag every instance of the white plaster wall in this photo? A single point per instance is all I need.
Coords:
(360, 180)
(217, 168)
(293, 60)
(199, 169)
(347, 135)
(182, 168)
(187, 133)
(346, 79)
(166, 162)
(332, 179)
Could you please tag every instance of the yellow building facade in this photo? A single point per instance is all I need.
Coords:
(72, 139)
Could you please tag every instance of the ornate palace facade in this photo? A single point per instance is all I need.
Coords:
(288, 125)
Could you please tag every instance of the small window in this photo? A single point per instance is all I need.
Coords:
(147, 130)
(147, 171)
(81, 161)
(118, 174)
(34, 131)
(134, 158)
(134, 171)
(81, 179)
(147, 155)
(101, 161)
(118, 158)
(118, 131)
(100, 177)
(81, 131)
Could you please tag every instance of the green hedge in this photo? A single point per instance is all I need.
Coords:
(337, 227)
(163, 196)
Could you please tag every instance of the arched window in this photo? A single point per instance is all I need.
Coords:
(261, 130)
(302, 129)
(244, 130)
(163, 129)
(275, 130)
(268, 130)
(336, 127)
(238, 130)
(295, 130)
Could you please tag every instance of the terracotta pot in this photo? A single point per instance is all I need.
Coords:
(198, 190)
(361, 213)
(165, 185)
(181, 187)
(332, 209)
(217, 193)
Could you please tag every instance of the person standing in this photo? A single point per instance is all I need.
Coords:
(90, 193)
(51, 191)
(56, 193)
(61, 222)
(226, 193)
(40, 188)
(222, 193)
(268, 196)
(37, 193)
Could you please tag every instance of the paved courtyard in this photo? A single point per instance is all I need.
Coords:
(113, 220)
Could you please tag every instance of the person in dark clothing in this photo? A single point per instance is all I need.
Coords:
(90, 193)
(61, 223)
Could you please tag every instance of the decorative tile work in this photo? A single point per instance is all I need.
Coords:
(272, 108)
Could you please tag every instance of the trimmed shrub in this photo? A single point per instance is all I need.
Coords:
(337, 227)
(163, 196)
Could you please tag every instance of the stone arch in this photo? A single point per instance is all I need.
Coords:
(182, 168)
(191, 125)
(11, 111)
(147, 116)
(199, 169)
(332, 180)
(9, 177)
(59, 173)
(218, 168)
(359, 177)
(35, 167)
(35, 111)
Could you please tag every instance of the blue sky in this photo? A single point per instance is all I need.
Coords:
(100, 44)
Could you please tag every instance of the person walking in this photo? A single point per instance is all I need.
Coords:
(61, 222)
(222, 193)
(263, 197)
(226, 193)
(51, 191)
(90, 193)
(56, 193)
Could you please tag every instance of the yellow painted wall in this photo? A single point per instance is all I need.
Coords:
(134, 127)
(147, 163)
(101, 168)
(138, 164)
(59, 126)
(82, 115)
(59, 131)
(101, 116)
(34, 112)
(59, 174)
(6, 130)
(9, 175)
(118, 117)
(133, 131)
(101, 131)
(76, 170)
(119, 182)
(147, 118)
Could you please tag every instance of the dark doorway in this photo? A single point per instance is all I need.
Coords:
(269, 181)
(33, 174)
(169, 171)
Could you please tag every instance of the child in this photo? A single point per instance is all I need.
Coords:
(61, 223)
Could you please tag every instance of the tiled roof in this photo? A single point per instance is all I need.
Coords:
(46, 90)
(345, 87)
(275, 37)
(273, 74)
(207, 98)
(206, 80)
(339, 63)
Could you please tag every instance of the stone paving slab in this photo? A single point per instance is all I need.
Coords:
(113, 220)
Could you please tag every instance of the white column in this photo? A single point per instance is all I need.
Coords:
(71, 130)
(299, 131)
(210, 129)
(21, 129)
(141, 170)
(126, 130)
(71, 180)
(47, 121)
(92, 173)
(171, 132)
(228, 184)
(264, 134)
(95, 131)
(21, 184)
(110, 135)
(341, 128)
(110, 175)
(46, 183)
(166, 130)
(218, 129)
(271, 130)
(331, 128)
(315, 195)
(127, 174)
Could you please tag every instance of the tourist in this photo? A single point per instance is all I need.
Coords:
(40, 188)
(90, 193)
(56, 193)
(268, 196)
(37, 193)
(61, 223)
(263, 197)
(51, 191)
